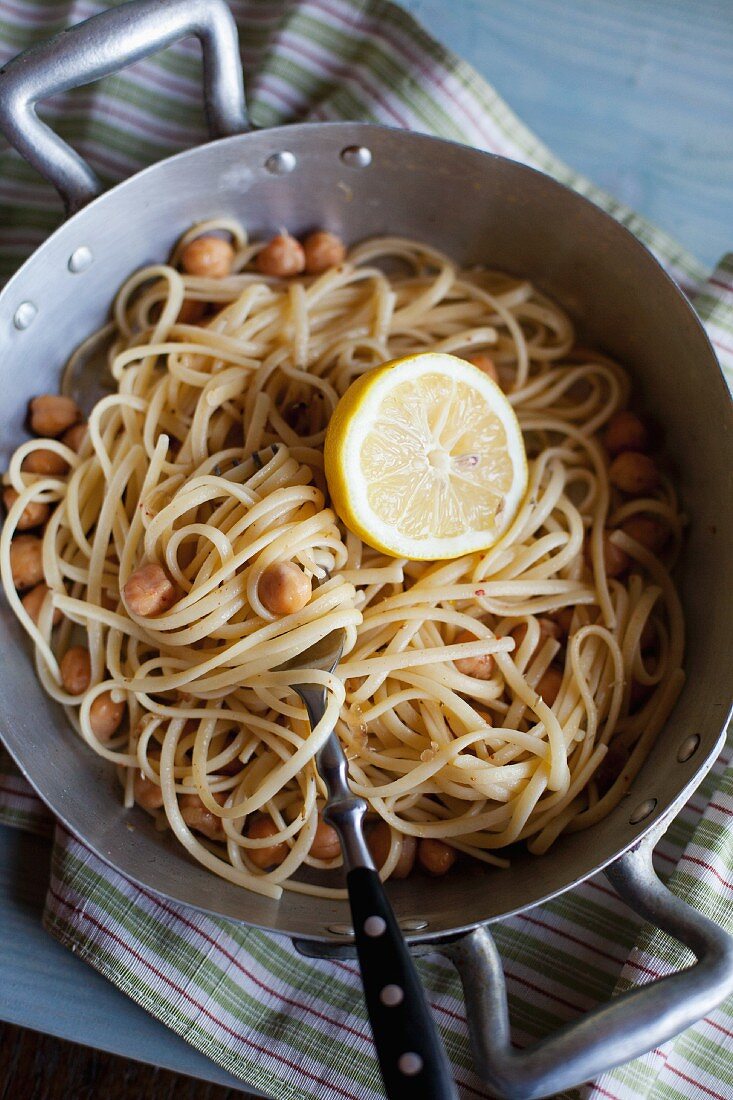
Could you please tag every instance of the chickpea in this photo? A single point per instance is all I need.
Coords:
(26, 561)
(76, 670)
(548, 629)
(210, 257)
(33, 602)
(34, 514)
(634, 472)
(325, 844)
(105, 716)
(264, 858)
(45, 462)
(549, 686)
(626, 431)
(485, 363)
(435, 856)
(191, 312)
(480, 667)
(283, 256)
(204, 821)
(284, 588)
(147, 794)
(650, 533)
(379, 841)
(74, 436)
(615, 560)
(323, 250)
(51, 414)
(149, 591)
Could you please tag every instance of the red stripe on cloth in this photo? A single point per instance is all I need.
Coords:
(544, 992)
(602, 889)
(415, 59)
(697, 1084)
(85, 915)
(339, 1023)
(720, 809)
(172, 911)
(353, 971)
(610, 1095)
(708, 867)
(573, 939)
(722, 346)
(721, 284)
(300, 1005)
(273, 89)
(718, 1027)
(340, 72)
(644, 969)
(665, 857)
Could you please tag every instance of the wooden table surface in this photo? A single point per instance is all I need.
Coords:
(638, 95)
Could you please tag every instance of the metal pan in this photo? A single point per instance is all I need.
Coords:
(363, 180)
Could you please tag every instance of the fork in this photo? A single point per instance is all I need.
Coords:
(411, 1055)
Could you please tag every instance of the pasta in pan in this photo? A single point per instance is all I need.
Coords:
(189, 549)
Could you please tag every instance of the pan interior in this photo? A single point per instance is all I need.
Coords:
(477, 208)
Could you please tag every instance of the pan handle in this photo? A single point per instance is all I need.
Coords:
(102, 45)
(625, 1028)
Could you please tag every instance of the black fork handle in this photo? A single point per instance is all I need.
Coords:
(411, 1054)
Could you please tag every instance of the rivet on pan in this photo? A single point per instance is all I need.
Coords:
(643, 810)
(356, 156)
(340, 929)
(688, 748)
(413, 924)
(80, 259)
(279, 164)
(25, 315)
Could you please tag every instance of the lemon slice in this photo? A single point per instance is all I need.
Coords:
(424, 458)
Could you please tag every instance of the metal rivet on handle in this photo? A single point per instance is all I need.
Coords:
(80, 259)
(375, 926)
(356, 156)
(25, 314)
(340, 929)
(279, 164)
(391, 996)
(409, 1063)
(413, 924)
(643, 810)
(688, 748)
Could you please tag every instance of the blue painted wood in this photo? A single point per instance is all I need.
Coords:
(636, 94)
(46, 988)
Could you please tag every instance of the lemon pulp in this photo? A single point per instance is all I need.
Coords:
(424, 458)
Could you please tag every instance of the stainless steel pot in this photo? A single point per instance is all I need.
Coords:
(363, 180)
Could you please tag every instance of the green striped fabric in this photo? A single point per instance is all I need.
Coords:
(297, 1028)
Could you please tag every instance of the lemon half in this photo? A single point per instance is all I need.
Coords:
(424, 458)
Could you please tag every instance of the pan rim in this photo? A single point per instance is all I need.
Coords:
(409, 135)
(361, 129)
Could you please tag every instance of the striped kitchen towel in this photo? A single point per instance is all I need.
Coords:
(296, 1028)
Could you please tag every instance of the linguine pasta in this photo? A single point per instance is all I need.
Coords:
(207, 458)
